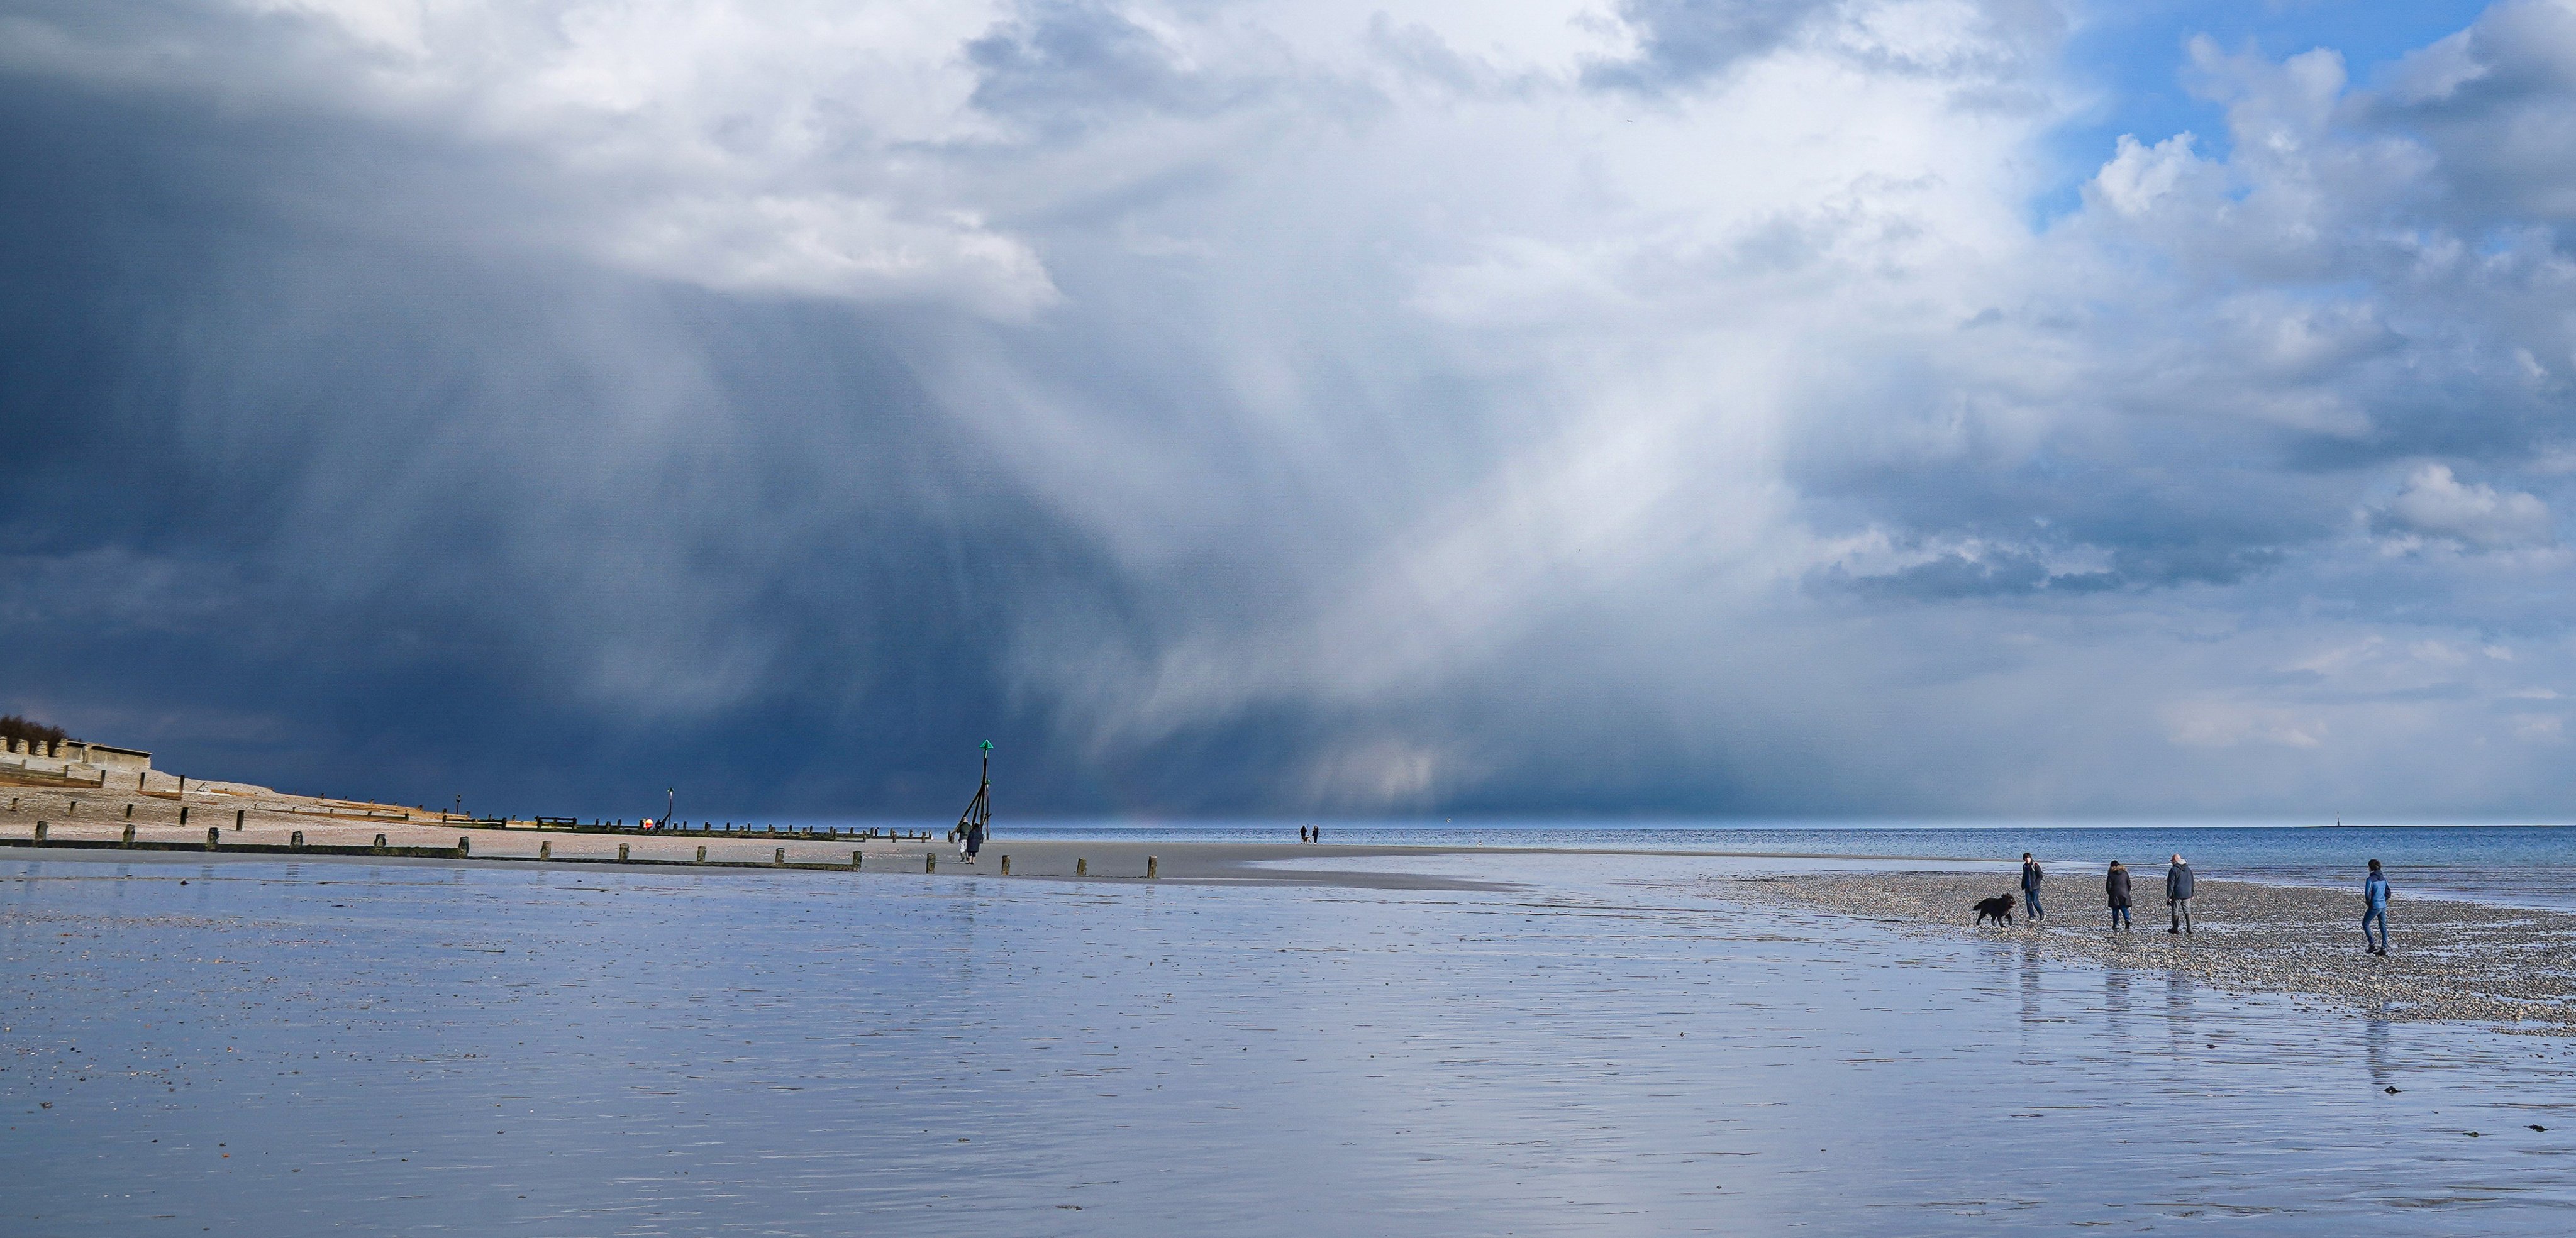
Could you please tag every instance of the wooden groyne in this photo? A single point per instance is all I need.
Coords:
(380, 849)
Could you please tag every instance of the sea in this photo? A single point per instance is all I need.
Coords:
(1606, 1045)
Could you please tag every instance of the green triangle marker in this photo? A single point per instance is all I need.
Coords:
(988, 745)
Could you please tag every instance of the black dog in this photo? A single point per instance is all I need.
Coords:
(1998, 909)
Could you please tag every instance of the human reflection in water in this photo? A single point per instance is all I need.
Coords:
(2115, 1005)
(2029, 988)
(2178, 1029)
(2375, 1054)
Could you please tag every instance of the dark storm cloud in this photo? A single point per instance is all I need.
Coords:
(1258, 409)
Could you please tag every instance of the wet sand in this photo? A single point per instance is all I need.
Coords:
(273, 820)
(2449, 959)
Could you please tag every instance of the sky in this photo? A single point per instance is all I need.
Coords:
(1729, 408)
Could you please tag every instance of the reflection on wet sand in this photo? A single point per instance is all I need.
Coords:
(1605, 1047)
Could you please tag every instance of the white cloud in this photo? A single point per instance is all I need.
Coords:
(2436, 504)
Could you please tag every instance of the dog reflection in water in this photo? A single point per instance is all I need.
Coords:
(1998, 909)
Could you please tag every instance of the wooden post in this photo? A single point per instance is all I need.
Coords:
(138, 784)
(238, 814)
(129, 835)
(74, 810)
(213, 836)
(464, 846)
(296, 842)
(1151, 863)
(546, 850)
(1081, 867)
(183, 814)
(1006, 866)
(702, 855)
(129, 812)
(40, 831)
(621, 853)
(855, 857)
(779, 858)
(380, 844)
(930, 862)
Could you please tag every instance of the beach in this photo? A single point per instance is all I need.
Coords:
(1456, 1040)
(2450, 958)
(784, 1031)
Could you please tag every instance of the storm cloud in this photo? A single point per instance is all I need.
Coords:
(1647, 408)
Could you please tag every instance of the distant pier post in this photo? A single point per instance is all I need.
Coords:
(214, 836)
(1006, 866)
(930, 862)
(1151, 864)
(778, 859)
(621, 853)
(1081, 867)
(702, 855)
(855, 858)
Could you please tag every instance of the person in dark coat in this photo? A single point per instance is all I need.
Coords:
(2178, 895)
(2030, 879)
(2116, 885)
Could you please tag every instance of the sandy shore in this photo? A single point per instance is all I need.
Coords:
(2448, 960)
(274, 820)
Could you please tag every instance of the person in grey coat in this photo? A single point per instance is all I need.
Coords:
(2116, 886)
(2178, 895)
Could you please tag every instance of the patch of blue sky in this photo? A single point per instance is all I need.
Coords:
(2132, 55)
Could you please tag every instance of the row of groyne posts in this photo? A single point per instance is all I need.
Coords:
(464, 850)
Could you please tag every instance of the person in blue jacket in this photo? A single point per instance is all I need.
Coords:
(2178, 895)
(2030, 879)
(2374, 898)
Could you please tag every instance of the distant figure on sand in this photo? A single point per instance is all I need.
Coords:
(2178, 895)
(2374, 899)
(1301, 835)
(974, 840)
(2116, 886)
(2030, 879)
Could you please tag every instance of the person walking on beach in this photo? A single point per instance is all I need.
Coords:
(2374, 898)
(2178, 895)
(974, 840)
(2030, 879)
(2116, 885)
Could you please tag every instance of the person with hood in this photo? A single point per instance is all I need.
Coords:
(2374, 899)
(2116, 885)
(2178, 895)
(2030, 879)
